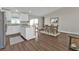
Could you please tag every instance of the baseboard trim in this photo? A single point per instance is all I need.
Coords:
(69, 32)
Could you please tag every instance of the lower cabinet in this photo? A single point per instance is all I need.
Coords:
(28, 32)
(12, 29)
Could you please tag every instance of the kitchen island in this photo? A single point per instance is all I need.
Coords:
(26, 31)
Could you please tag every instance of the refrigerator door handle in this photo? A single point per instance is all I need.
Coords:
(5, 27)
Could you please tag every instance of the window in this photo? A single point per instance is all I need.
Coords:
(36, 21)
(15, 20)
(33, 21)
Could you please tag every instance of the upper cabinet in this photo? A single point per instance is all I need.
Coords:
(20, 16)
(8, 15)
(16, 18)
(24, 17)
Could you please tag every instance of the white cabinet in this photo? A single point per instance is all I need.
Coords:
(13, 29)
(8, 15)
(28, 32)
(23, 17)
(23, 31)
(20, 16)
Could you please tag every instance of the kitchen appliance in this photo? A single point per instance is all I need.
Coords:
(2, 30)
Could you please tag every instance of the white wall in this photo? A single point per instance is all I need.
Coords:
(68, 19)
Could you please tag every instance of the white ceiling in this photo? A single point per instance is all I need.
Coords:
(38, 11)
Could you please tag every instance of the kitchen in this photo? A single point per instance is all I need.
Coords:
(20, 23)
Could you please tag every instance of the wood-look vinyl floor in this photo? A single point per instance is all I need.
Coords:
(44, 43)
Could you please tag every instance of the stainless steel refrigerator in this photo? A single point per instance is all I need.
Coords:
(2, 30)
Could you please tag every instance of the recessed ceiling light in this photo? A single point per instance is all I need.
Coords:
(17, 10)
(30, 11)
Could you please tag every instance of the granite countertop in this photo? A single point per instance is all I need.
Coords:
(17, 24)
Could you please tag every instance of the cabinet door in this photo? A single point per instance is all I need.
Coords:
(8, 15)
(30, 33)
(23, 31)
(13, 30)
(23, 17)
